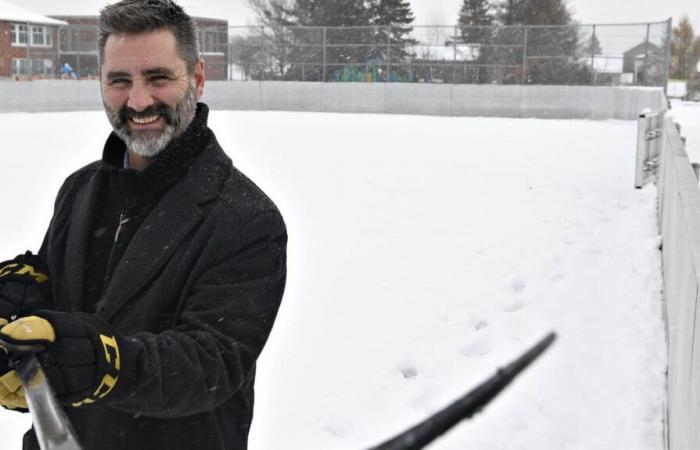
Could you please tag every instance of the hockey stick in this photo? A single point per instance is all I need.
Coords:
(51, 425)
(439, 423)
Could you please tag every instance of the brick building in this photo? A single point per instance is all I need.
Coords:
(34, 46)
(78, 45)
(28, 43)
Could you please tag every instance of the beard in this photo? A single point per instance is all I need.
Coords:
(149, 143)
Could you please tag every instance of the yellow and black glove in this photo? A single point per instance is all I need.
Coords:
(11, 393)
(83, 357)
(24, 286)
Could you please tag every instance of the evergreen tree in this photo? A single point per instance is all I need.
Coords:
(472, 15)
(534, 12)
(592, 46)
(560, 42)
(394, 44)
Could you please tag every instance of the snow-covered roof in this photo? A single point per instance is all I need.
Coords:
(9, 12)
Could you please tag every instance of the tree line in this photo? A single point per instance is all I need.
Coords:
(375, 43)
(685, 54)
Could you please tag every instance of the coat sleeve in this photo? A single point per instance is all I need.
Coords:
(227, 318)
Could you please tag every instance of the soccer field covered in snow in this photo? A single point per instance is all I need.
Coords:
(424, 252)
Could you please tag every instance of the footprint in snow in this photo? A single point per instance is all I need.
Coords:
(515, 307)
(517, 285)
(557, 277)
(480, 325)
(408, 371)
(475, 349)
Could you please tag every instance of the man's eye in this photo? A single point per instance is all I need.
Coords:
(159, 79)
(120, 82)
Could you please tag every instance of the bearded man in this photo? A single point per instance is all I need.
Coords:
(163, 267)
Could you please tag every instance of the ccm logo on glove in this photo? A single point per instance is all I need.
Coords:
(82, 358)
(111, 354)
(23, 270)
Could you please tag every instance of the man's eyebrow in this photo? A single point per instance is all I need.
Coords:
(158, 71)
(116, 74)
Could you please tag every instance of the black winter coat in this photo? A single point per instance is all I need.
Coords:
(196, 292)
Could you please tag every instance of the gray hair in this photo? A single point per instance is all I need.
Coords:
(142, 16)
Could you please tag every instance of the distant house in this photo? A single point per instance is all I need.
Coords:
(643, 62)
(78, 45)
(28, 43)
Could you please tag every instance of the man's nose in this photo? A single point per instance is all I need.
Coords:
(139, 96)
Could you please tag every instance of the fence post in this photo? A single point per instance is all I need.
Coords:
(325, 37)
(388, 53)
(524, 69)
(646, 56)
(454, 55)
(667, 51)
(229, 75)
(77, 55)
(593, 72)
(261, 67)
(29, 50)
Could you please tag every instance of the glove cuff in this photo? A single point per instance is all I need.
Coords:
(27, 268)
(112, 361)
(24, 285)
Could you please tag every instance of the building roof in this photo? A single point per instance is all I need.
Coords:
(9, 12)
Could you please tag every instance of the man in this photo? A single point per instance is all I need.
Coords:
(163, 267)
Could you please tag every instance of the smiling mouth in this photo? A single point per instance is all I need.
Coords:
(144, 120)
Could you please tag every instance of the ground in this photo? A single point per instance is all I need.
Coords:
(424, 253)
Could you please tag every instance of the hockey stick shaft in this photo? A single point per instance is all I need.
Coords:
(51, 425)
(465, 407)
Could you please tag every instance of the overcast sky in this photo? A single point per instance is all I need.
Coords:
(440, 12)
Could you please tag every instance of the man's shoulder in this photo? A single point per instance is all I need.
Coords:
(243, 197)
(85, 172)
(237, 197)
(80, 177)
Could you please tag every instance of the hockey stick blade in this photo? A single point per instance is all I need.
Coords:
(465, 407)
(51, 425)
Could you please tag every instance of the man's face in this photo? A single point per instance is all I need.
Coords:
(148, 95)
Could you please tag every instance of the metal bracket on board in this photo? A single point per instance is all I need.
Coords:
(649, 141)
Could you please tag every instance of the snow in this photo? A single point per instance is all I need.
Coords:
(13, 13)
(424, 253)
(687, 114)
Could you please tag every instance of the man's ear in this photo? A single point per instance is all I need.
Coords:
(199, 78)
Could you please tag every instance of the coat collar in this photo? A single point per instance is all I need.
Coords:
(154, 243)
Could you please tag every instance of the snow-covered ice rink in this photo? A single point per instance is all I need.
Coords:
(424, 253)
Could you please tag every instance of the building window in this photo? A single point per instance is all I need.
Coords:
(38, 36)
(24, 66)
(209, 41)
(19, 34)
(41, 36)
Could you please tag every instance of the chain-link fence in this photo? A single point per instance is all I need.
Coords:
(628, 54)
(625, 54)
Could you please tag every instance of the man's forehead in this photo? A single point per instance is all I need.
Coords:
(154, 48)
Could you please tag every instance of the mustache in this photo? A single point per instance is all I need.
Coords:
(160, 109)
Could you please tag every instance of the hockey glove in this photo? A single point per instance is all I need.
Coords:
(24, 286)
(82, 357)
(4, 357)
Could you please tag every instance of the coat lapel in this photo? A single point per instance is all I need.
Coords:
(164, 229)
(150, 248)
(78, 239)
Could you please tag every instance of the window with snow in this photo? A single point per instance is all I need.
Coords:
(19, 34)
(41, 36)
